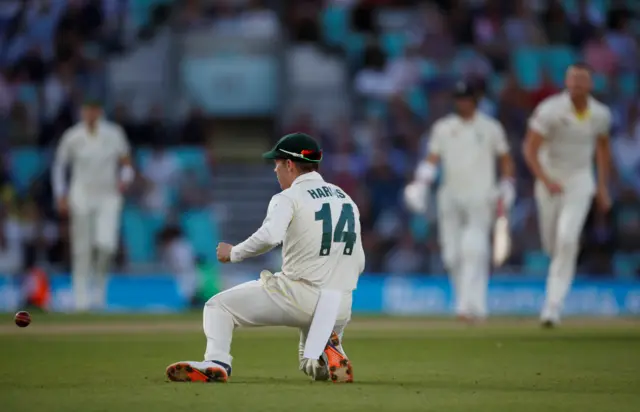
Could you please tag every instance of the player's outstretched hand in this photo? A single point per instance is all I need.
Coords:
(416, 197)
(224, 252)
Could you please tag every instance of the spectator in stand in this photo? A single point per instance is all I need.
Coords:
(599, 55)
(622, 41)
(555, 24)
(194, 130)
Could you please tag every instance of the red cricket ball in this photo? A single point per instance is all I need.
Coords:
(22, 319)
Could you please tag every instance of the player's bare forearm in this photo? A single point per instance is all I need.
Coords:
(530, 149)
(603, 162)
(507, 168)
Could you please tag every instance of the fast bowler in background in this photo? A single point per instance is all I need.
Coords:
(97, 151)
(318, 226)
(466, 144)
(564, 132)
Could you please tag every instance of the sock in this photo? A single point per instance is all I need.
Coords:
(218, 327)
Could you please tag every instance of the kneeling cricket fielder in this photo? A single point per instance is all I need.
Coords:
(565, 131)
(319, 228)
(99, 156)
(466, 144)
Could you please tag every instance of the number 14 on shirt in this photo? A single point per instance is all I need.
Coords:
(329, 235)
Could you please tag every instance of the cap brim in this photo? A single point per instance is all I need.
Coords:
(270, 155)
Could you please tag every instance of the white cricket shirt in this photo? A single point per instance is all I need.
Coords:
(468, 150)
(319, 228)
(94, 160)
(568, 150)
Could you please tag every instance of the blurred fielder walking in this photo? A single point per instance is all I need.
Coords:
(97, 151)
(466, 144)
(564, 132)
(319, 228)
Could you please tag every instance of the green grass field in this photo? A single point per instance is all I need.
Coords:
(116, 363)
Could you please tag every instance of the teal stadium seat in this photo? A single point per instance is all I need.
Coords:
(419, 226)
(624, 265)
(376, 108)
(140, 10)
(139, 230)
(428, 70)
(26, 165)
(556, 60)
(536, 263)
(394, 44)
(202, 231)
(628, 84)
(600, 82)
(527, 64)
(335, 25)
(417, 100)
(354, 47)
(191, 157)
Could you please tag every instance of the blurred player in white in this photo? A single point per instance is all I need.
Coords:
(466, 144)
(97, 151)
(564, 132)
(319, 228)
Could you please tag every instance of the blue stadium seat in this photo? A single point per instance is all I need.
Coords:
(335, 25)
(527, 64)
(202, 231)
(536, 263)
(26, 165)
(394, 44)
(556, 60)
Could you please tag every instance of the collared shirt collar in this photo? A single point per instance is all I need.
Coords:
(306, 177)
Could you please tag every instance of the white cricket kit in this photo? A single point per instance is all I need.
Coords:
(468, 151)
(566, 157)
(94, 201)
(319, 228)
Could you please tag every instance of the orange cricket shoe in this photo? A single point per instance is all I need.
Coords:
(340, 369)
(191, 371)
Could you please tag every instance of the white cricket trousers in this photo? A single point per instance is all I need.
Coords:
(274, 300)
(94, 241)
(561, 219)
(464, 230)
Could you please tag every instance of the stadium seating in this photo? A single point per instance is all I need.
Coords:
(26, 165)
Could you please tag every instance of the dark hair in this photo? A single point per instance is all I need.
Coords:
(307, 167)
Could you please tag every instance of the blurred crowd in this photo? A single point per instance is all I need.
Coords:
(405, 56)
(402, 58)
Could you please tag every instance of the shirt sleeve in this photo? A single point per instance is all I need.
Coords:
(123, 143)
(604, 126)
(435, 141)
(270, 234)
(501, 144)
(541, 119)
(61, 161)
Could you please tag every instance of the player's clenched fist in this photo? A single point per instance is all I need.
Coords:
(224, 252)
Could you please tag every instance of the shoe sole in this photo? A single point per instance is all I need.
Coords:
(340, 369)
(183, 372)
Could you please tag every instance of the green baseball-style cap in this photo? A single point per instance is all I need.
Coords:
(298, 147)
